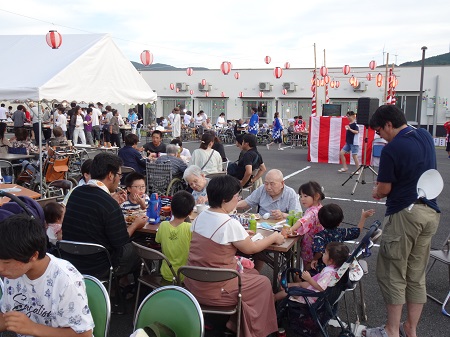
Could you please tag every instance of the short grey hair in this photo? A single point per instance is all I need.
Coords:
(192, 170)
(171, 149)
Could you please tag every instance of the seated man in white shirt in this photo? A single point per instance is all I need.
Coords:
(274, 197)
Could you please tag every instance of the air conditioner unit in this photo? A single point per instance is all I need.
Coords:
(264, 86)
(362, 86)
(205, 87)
(181, 86)
(289, 86)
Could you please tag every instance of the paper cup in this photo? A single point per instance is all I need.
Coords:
(201, 208)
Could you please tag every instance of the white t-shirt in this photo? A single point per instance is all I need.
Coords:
(56, 299)
(171, 117)
(2, 112)
(220, 122)
(96, 113)
(207, 223)
(198, 120)
(200, 157)
(187, 119)
(62, 122)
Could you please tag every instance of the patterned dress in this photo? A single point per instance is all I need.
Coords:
(310, 226)
(253, 125)
(277, 128)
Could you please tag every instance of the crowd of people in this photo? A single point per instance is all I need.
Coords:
(405, 242)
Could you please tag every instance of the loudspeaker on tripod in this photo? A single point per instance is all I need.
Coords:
(366, 107)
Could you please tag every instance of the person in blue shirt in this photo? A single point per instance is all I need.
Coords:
(410, 222)
(253, 125)
(131, 156)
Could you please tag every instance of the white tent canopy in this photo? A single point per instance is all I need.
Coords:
(87, 68)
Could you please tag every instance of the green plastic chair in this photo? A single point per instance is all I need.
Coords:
(99, 304)
(173, 306)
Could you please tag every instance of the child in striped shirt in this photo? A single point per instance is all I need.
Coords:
(137, 198)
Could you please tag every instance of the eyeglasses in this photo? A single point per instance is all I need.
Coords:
(139, 187)
(378, 130)
(119, 174)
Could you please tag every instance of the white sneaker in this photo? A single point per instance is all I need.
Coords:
(280, 149)
(268, 147)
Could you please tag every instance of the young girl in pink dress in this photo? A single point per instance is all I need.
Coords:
(311, 196)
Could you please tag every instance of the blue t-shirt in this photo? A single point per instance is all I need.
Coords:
(402, 162)
(350, 136)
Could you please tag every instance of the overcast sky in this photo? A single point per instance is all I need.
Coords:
(205, 33)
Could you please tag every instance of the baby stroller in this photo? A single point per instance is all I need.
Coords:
(312, 318)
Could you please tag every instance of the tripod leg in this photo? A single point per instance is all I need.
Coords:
(357, 179)
(353, 174)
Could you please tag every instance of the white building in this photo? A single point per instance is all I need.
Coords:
(221, 93)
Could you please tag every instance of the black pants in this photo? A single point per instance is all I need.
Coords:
(115, 139)
(37, 133)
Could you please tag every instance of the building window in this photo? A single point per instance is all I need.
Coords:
(265, 110)
(346, 106)
(213, 108)
(170, 103)
(409, 105)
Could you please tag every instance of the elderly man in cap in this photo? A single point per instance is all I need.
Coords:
(274, 197)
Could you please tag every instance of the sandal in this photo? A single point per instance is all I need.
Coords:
(342, 170)
(375, 332)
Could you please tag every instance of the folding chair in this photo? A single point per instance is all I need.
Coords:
(443, 256)
(174, 307)
(88, 249)
(151, 279)
(7, 171)
(99, 305)
(203, 274)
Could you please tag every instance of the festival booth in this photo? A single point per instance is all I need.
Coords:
(327, 137)
(85, 68)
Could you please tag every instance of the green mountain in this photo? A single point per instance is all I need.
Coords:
(160, 66)
(439, 60)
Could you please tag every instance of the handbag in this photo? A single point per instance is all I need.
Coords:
(212, 152)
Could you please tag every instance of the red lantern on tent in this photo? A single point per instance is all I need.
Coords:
(146, 58)
(338, 84)
(267, 59)
(287, 65)
(372, 65)
(323, 71)
(369, 77)
(284, 91)
(191, 92)
(241, 94)
(261, 94)
(332, 84)
(346, 69)
(277, 72)
(206, 94)
(225, 67)
(223, 94)
(177, 89)
(189, 71)
(326, 79)
(54, 39)
(237, 75)
(172, 86)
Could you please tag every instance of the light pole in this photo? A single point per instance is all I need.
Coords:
(419, 111)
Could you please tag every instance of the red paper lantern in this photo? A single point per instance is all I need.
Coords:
(189, 71)
(322, 82)
(237, 75)
(241, 94)
(318, 82)
(313, 88)
(352, 80)
(277, 72)
(346, 69)
(332, 84)
(323, 71)
(369, 77)
(225, 67)
(326, 79)
(203, 82)
(284, 91)
(177, 89)
(261, 94)
(146, 58)
(355, 83)
(379, 83)
(267, 59)
(54, 39)
(191, 92)
(338, 84)
(372, 64)
(172, 86)
(223, 94)
(379, 77)
(287, 65)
